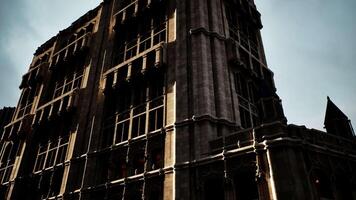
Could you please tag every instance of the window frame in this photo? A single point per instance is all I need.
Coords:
(69, 80)
(46, 148)
(122, 124)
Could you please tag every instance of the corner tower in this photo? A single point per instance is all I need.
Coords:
(224, 90)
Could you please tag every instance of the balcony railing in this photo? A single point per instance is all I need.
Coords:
(71, 49)
(57, 106)
(152, 57)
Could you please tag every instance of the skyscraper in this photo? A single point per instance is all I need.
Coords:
(158, 99)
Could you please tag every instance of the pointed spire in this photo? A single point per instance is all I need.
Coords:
(333, 112)
(336, 122)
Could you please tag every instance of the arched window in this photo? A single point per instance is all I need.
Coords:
(7, 160)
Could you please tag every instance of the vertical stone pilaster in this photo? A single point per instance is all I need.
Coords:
(169, 187)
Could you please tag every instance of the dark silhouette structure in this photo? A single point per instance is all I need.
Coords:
(336, 122)
(158, 99)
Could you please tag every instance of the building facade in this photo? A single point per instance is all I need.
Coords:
(159, 99)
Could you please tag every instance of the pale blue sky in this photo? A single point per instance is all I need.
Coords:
(25, 25)
(309, 44)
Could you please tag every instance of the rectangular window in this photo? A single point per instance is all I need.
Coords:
(149, 32)
(48, 183)
(26, 103)
(240, 30)
(139, 110)
(69, 83)
(248, 97)
(138, 163)
(122, 132)
(139, 121)
(156, 114)
(155, 153)
(51, 154)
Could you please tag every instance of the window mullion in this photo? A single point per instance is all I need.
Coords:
(152, 32)
(47, 151)
(38, 153)
(56, 154)
(147, 110)
(138, 44)
(64, 86)
(164, 101)
(73, 80)
(115, 129)
(66, 149)
(131, 122)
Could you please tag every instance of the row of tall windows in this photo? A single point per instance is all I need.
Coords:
(134, 110)
(241, 30)
(48, 162)
(146, 33)
(247, 94)
(51, 153)
(77, 42)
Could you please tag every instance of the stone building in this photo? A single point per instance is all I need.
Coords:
(5, 117)
(164, 99)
